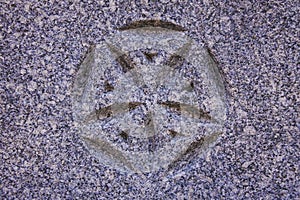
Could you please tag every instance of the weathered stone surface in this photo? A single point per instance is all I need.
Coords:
(43, 153)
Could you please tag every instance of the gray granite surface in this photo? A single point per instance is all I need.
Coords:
(256, 44)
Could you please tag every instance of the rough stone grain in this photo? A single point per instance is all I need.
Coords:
(256, 44)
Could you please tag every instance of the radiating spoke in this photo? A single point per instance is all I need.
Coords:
(149, 56)
(108, 87)
(187, 110)
(134, 105)
(195, 112)
(112, 110)
(127, 65)
(175, 61)
(171, 104)
(108, 150)
(174, 133)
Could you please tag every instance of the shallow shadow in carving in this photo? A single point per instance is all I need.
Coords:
(151, 23)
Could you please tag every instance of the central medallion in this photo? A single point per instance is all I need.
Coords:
(147, 96)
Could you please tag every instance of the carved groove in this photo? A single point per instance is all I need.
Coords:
(125, 62)
(152, 23)
(150, 56)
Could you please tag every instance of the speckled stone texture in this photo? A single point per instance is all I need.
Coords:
(257, 46)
